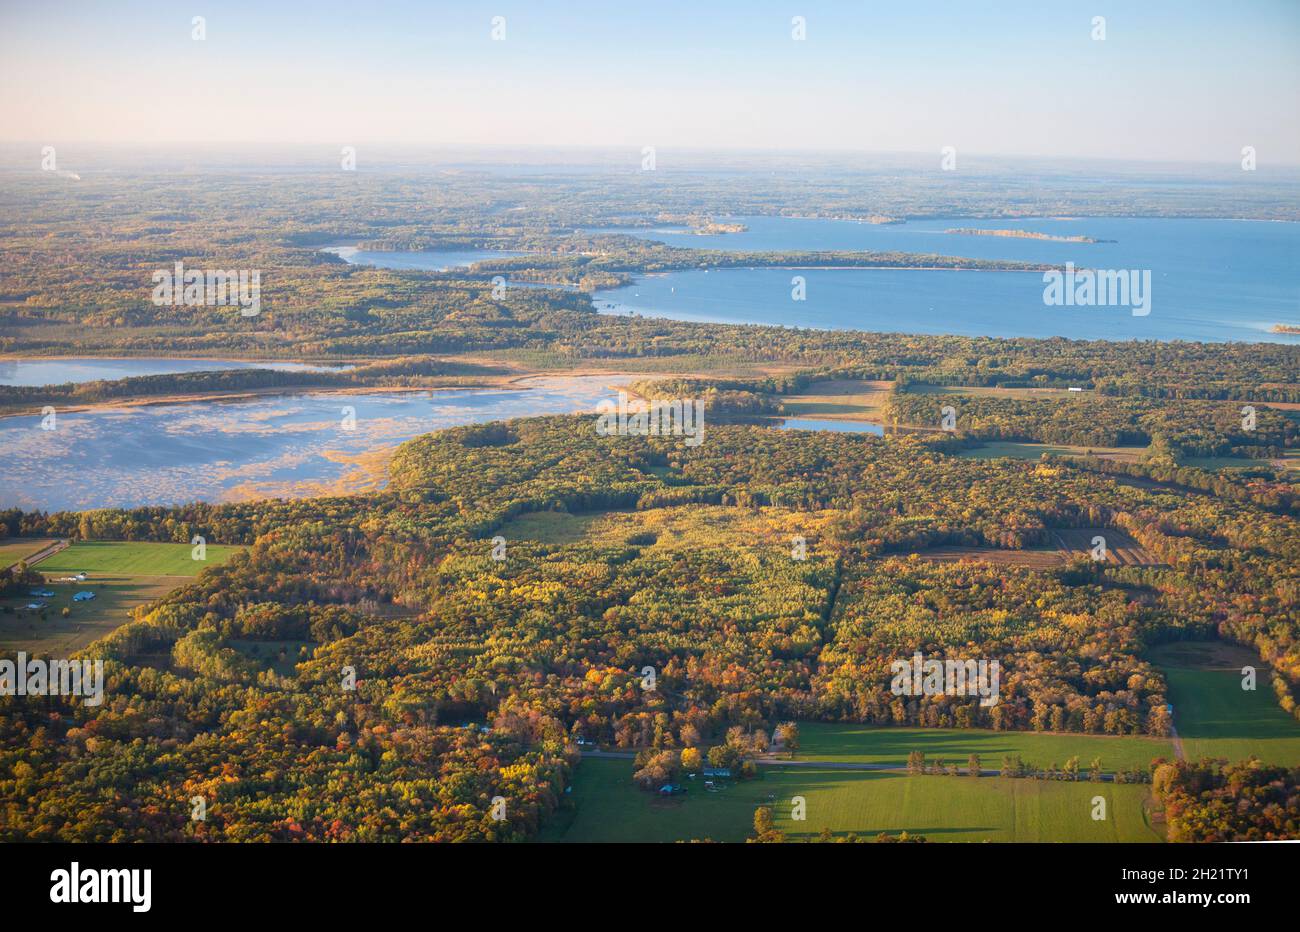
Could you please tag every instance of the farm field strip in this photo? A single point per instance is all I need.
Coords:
(1072, 543)
(130, 558)
(609, 808)
(20, 549)
(121, 574)
(1215, 716)
(820, 741)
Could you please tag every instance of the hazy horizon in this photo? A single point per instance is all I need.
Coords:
(23, 156)
(1183, 83)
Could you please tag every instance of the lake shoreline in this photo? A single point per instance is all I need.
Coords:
(857, 268)
(91, 354)
(1198, 272)
(239, 446)
(498, 383)
(144, 401)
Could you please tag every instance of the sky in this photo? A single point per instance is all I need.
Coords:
(1183, 81)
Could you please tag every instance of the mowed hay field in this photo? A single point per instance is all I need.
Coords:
(131, 558)
(840, 399)
(122, 574)
(1071, 543)
(607, 807)
(867, 744)
(683, 527)
(14, 550)
(959, 808)
(1036, 558)
(1214, 716)
(1120, 547)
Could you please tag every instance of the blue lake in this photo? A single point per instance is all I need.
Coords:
(843, 427)
(59, 371)
(1211, 280)
(439, 260)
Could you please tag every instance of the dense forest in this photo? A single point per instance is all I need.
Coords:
(1189, 427)
(1212, 801)
(499, 601)
(665, 556)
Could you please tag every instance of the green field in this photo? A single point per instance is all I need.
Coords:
(1214, 716)
(129, 558)
(847, 399)
(609, 808)
(869, 744)
(672, 528)
(14, 549)
(549, 527)
(122, 575)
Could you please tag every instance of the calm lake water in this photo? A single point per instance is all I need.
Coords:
(844, 427)
(1212, 280)
(440, 260)
(61, 371)
(291, 445)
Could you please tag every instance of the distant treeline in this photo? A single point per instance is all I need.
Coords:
(388, 373)
(1191, 428)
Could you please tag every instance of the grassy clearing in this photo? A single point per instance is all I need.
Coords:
(282, 656)
(683, 527)
(1072, 543)
(960, 808)
(1214, 716)
(1036, 558)
(12, 550)
(48, 630)
(820, 741)
(1120, 547)
(122, 575)
(557, 528)
(130, 558)
(608, 808)
(840, 399)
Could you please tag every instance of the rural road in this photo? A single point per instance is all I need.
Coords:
(1178, 742)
